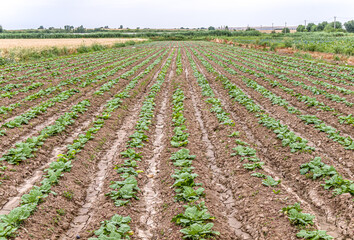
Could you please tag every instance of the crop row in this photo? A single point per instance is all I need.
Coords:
(288, 137)
(247, 153)
(55, 69)
(10, 222)
(195, 219)
(38, 68)
(72, 81)
(128, 188)
(296, 71)
(313, 67)
(334, 134)
(311, 70)
(282, 77)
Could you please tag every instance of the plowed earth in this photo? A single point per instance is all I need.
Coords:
(242, 207)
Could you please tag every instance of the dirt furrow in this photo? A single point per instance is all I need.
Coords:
(276, 64)
(21, 174)
(79, 180)
(337, 227)
(226, 197)
(77, 74)
(94, 191)
(54, 113)
(317, 140)
(91, 194)
(151, 196)
(28, 183)
(339, 106)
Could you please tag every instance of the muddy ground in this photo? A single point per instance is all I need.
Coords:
(242, 206)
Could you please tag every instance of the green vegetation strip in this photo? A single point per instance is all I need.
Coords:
(25, 150)
(333, 133)
(277, 73)
(128, 188)
(316, 169)
(288, 137)
(35, 111)
(195, 219)
(304, 221)
(248, 153)
(71, 81)
(105, 87)
(10, 223)
(9, 94)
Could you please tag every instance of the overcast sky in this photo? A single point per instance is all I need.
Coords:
(21, 14)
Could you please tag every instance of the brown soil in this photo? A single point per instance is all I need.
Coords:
(242, 206)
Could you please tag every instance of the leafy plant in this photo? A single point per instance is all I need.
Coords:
(194, 213)
(234, 134)
(253, 166)
(317, 169)
(314, 235)
(199, 231)
(258, 175)
(115, 228)
(270, 182)
(244, 151)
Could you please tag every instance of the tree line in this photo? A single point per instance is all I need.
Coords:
(327, 27)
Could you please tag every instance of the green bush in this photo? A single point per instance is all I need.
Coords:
(83, 49)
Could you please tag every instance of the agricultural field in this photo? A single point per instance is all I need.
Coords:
(68, 42)
(335, 43)
(177, 140)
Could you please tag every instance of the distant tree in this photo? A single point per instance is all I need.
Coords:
(338, 25)
(51, 28)
(250, 29)
(68, 28)
(227, 28)
(329, 28)
(321, 26)
(211, 28)
(1, 29)
(41, 27)
(285, 30)
(121, 27)
(309, 26)
(313, 28)
(106, 27)
(349, 26)
(80, 29)
(300, 28)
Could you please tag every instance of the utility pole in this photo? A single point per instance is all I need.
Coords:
(305, 24)
(285, 28)
(335, 22)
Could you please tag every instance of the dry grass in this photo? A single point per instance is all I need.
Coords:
(65, 42)
(16, 50)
